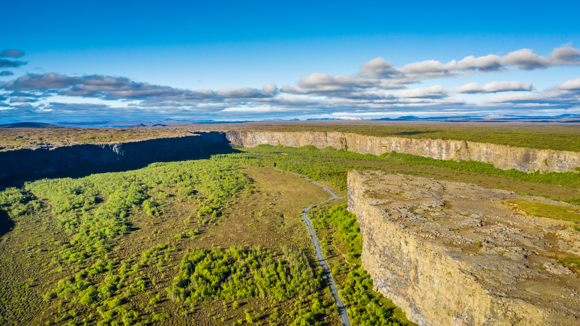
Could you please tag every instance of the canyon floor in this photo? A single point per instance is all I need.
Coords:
(266, 215)
(135, 246)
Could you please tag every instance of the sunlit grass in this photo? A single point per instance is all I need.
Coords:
(557, 212)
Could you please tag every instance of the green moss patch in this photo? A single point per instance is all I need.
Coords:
(564, 213)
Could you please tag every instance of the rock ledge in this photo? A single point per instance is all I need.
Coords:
(454, 253)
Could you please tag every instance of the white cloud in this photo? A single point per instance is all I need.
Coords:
(433, 92)
(566, 55)
(503, 86)
(571, 85)
(524, 59)
(564, 95)
(429, 67)
(493, 87)
(378, 68)
(471, 88)
(368, 91)
(270, 88)
(239, 92)
(334, 85)
(489, 62)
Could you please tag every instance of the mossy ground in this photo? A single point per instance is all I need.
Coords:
(558, 212)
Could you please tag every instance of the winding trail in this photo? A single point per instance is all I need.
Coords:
(325, 268)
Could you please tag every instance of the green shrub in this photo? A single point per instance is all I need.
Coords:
(240, 273)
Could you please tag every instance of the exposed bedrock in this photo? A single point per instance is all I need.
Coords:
(501, 156)
(45, 161)
(452, 253)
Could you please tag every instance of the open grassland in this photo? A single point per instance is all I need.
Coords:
(18, 138)
(203, 242)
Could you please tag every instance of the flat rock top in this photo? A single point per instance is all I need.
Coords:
(508, 253)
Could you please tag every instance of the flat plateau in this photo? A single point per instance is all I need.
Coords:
(452, 253)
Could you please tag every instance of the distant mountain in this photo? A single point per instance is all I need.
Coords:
(30, 125)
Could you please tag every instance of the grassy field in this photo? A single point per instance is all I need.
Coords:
(212, 241)
(332, 166)
(563, 213)
(116, 248)
(17, 138)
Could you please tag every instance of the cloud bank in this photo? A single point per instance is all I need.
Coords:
(494, 87)
(377, 89)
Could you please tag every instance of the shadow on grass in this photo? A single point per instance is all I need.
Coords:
(6, 223)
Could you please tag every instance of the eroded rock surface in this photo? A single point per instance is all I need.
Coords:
(453, 253)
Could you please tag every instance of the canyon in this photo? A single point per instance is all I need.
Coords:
(446, 253)
(453, 253)
(49, 160)
(501, 156)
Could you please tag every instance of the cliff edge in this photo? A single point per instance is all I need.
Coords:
(501, 156)
(46, 161)
(456, 254)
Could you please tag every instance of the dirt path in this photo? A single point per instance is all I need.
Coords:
(326, 269)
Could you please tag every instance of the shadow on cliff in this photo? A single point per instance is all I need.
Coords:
(6, 223)
(87, 169)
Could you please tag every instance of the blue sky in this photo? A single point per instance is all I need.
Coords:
(139, 60)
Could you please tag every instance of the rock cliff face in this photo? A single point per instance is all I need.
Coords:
(501, 156)
(44, 161)
(455, 254)
(47, 161)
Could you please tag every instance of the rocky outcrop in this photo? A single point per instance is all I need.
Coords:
(45, 161)
(456, 254)
(501, 156)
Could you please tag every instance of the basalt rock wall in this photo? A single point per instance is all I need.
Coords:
(27, 162)
(452, 253)
(501, 156)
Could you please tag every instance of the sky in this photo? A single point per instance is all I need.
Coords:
(262, 60)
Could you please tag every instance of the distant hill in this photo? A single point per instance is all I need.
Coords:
(30, 125)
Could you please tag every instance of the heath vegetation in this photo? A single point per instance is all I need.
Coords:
(217, 241)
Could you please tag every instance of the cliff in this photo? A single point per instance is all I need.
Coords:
(501, 156)
(44, 161)
(455, 254)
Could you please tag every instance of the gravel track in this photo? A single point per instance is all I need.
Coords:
(325, 268)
